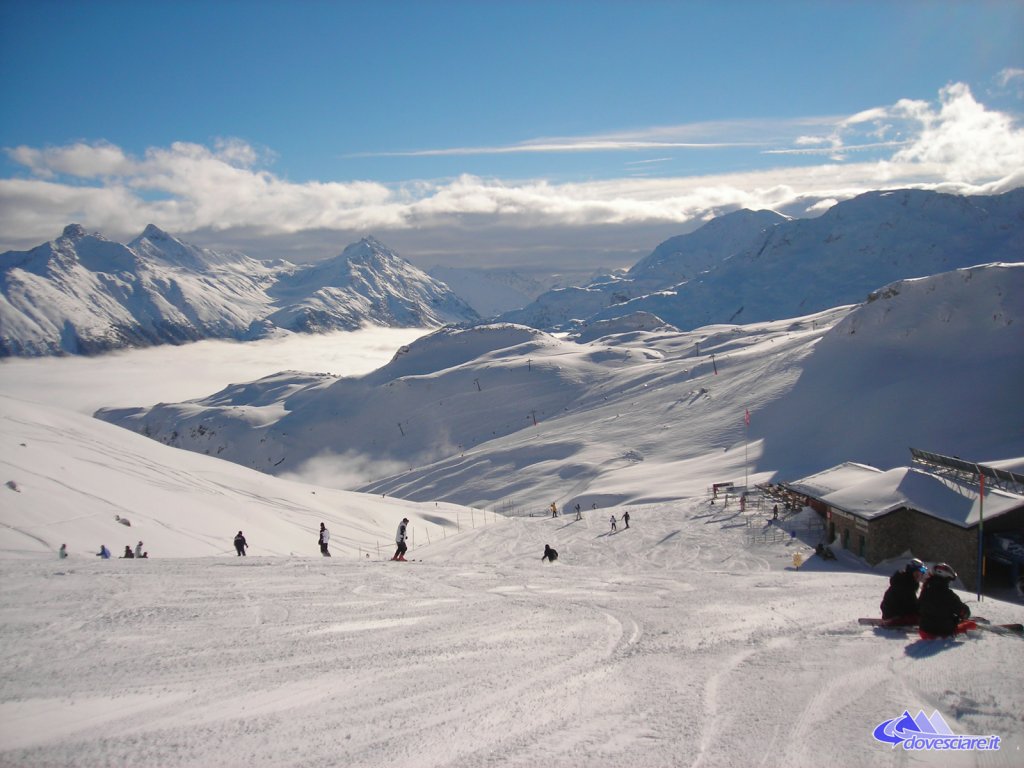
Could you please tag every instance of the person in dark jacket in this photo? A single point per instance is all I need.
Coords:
(400, 536)
(549, 554)
(899, 603)
(240, 544)
(942, 612)
(325, 537)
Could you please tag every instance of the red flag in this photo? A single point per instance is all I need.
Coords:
(746, 417)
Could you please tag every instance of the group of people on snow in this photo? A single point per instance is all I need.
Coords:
(936, 610)
(104, 553)
(129, 554)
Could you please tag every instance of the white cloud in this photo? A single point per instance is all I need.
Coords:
(955, 144)
(1010, 75)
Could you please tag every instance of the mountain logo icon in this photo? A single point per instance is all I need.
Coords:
(922, 732)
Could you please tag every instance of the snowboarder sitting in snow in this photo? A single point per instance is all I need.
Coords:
(825, 553)
(127, 552)
(942, 612)
(549, 554)
(240, 544)
(104, 552)
(899, 603)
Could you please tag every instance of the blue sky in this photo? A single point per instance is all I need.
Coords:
(490, 131)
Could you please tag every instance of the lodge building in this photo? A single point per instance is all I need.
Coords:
(932, 510)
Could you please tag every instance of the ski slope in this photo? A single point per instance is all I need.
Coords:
(672, 643)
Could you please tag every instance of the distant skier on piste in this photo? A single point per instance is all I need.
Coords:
(400, 536)
(325, 536)
(549, 554)
(240, 544)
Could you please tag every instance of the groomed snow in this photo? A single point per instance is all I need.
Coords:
(690, 639)
(674, 642)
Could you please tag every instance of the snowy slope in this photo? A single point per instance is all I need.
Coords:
(749, 267)
(85, 294)
(489, 291)
(688, 639)
(71, 475)
(503, 412)
(673, 642)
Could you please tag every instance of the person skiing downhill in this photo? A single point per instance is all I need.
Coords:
(549, 554)
(325, 536)
(612, 520)
(400, 536)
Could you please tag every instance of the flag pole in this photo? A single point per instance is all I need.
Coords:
(981, 530)
(746, 440)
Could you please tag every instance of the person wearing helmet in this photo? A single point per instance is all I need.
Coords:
(400, 536)
(899, 603)
(942, 613)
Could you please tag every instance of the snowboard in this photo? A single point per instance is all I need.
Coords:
(983, 625)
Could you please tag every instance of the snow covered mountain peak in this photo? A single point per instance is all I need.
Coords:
(154, 233)
(73, 232)
(754, 266)
(84, 294)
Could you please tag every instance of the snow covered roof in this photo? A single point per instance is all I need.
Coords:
(869, 493)
(825, 482)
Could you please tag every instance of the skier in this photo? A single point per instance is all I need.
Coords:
(625, 518)
(240, 544)
(899, 603)
(325, 536)
(613, 523)
(549, 554)
(579, 515)
(942, 612)
(128, 554)
(400, 540)
(138, 549)
(554, 510)
(63, 551)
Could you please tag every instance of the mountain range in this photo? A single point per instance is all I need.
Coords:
(84, 294)
(754, 266)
